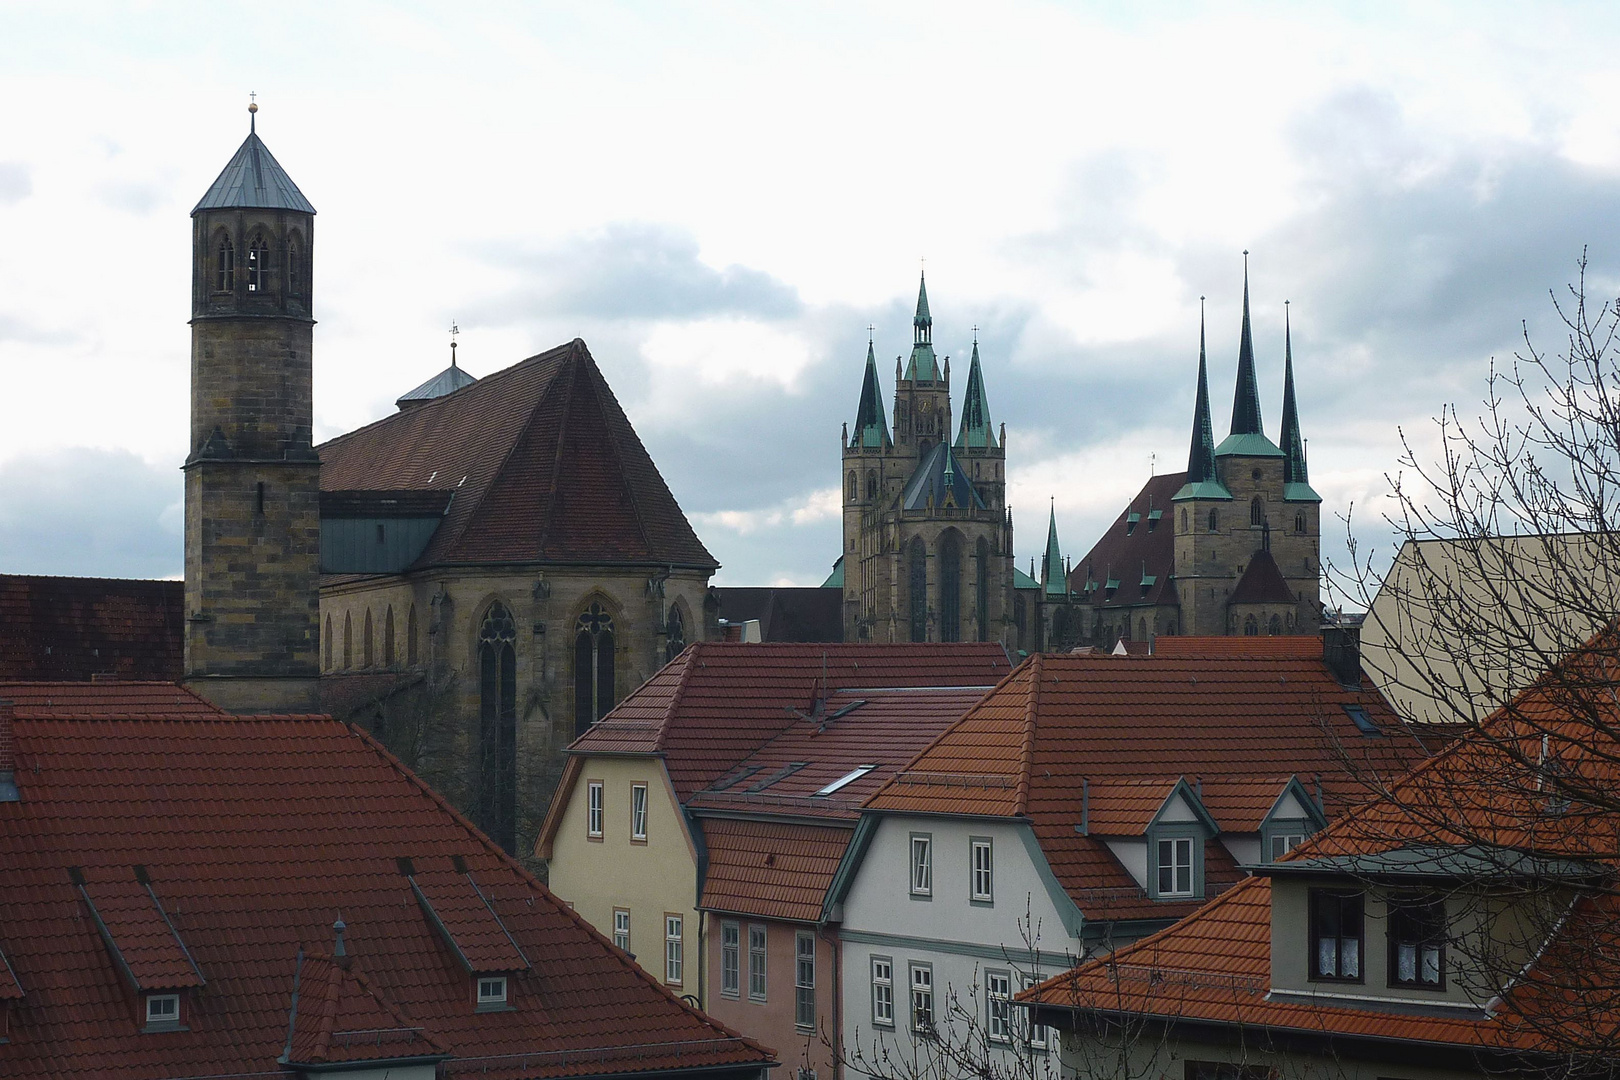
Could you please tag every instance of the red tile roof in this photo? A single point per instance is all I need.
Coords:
(778, 870)
(140, 937)
(1215, 965)
(1149, 547)
(342, 1016)
(126, 700)
(544, 464)
(73, 628)
(1262, 582)
(1225, 716)
(256, 833)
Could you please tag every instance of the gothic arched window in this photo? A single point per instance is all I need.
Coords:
(1184, 519)
(1276, 625)
(258, 264)
(368, 656)
(328, 643)
(388, 637)
(224, 265)
(950, 588)
(981, 580)
(1251, 628)
(497, 726)
(410, 637)
(853, 485)
(1257, 511)
(1299, 522)
(1214, 519)
(593, 666)
(675, 638)
(348, 642)
(917, 588)
(1141, 630)
(871, 483)
(292, 266)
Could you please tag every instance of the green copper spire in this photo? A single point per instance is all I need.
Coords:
(871, 425)
(923, 365)
(976, 431)
(1202, 482)
(1246, 402)
(1052, 577)
(1296, 485)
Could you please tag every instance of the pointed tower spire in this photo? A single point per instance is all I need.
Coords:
(871, 425)
(1296, 484)
(1202, 481)
(1246, 401)
(976, 432)
(1052, 579)
(923, 365)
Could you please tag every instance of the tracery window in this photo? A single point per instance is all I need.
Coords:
(258, 265)
(1276, 625)
(292, 266)
(871, 484)
(388, 637)
(593, 666)
(852, 485)
(950, 588)
(366, 653)
(1251, 628)
(1214, 519)
(348, 641)
(225, 266)
(497, 726)
(1257, 511)
(410, 637)
(918, 589)
(675, 638)
(981, 574)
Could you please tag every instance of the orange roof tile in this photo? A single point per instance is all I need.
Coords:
(341, 1016)
(257, 833)
(777, 870)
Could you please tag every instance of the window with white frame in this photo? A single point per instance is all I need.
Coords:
(804, 979)
(756, 963)
(922, 864)
(674, 954)
(491, 991)
(983, 873)
(730, 959)
(1283, 843)
(883, 991)
(1037, 1036)
(621, 928)
(593, 809)
(638, 812)
(162, 1010)
(922, 999)
(998, 1006)
(1175, 866)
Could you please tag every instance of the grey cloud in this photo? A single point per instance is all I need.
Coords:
(16, 182)
(87, 512)
(135, 196)
(632, 271)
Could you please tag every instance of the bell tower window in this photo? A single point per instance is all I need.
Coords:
(257, 265)
(292, 268)
(225, 266)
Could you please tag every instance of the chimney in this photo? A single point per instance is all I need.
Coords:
(8, 755)
(1341, 652)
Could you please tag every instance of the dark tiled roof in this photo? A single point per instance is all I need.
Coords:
(73, 628)
(544, 464)
(252, 179)
(786, 614)
(1262, 582)
(342, 1016)
(1129, 552)
(256, 833)
(1060, 721)
(939, 474)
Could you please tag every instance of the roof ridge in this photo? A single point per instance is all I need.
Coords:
(556, 457)
(619, 456)
(685, 660)
(1026, 754)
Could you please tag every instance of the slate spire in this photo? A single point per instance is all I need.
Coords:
(871, 425)
(976, 431)
(1292, 447)
(1246, 402)
(1201, 457)
(1053, 580)
(923, 365)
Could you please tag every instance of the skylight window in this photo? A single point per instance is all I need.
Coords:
(1363, 722)
(847, 779)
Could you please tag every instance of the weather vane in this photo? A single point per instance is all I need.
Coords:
(454, 330)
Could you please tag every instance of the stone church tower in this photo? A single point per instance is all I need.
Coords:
(252, 522)
(1248, 523)
(927, 537)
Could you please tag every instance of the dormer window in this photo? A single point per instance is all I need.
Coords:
(1417, 936)
(1337, 922)
(162, 1012)
(225, 266)
(491, 992)
(1174, 866)
(257, 265)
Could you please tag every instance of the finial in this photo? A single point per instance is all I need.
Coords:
(339, 950)
(253, 108)
(454, 330)
(975, 333)
(870, 331)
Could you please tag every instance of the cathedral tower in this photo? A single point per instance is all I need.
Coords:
(252, 522)
(927, 539)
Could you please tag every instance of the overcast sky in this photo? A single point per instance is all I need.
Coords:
(720, 198)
